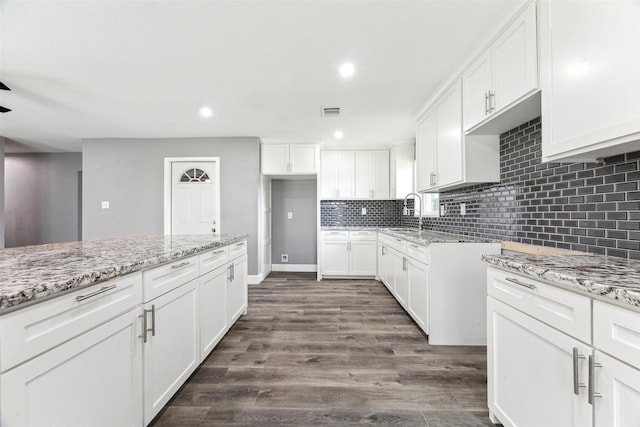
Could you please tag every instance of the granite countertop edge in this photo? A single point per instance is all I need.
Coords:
(20, 286)
(604, 278)
(424, 237)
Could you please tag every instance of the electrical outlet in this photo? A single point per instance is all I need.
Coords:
(284, 258)
(364, 211)
(443, 211)
(289, 215)
(105, 205)
(463, 208)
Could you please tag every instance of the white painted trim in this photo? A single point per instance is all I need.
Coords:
(167, 186)
(304, 268)
(256, 279)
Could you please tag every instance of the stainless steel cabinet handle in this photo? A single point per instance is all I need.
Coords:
(233, 272)
(94, 293)
(145, 324)
(576, 382)
(492, 100)
(182, 264)
(592, 380)
(404, 264)
(221, 251)
(229, 270)
(413, 246)
(432, 179)
(240, 244)
(383, 252)
(486, 103)
(519, 283)
(398, 240)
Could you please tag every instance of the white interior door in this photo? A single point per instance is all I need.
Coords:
(194, 194)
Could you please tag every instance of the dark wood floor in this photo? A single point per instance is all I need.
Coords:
(336, 352)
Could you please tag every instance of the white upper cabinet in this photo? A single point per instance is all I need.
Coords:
(590, 78)
(401, 170)
(289, 159)
(337, 174)
(372, 174)
(447, 159)
(505, 74)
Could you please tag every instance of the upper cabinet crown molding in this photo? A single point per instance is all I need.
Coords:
(589, 76)
(289, 159)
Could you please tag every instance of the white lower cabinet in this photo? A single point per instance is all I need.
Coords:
(543, 371)
(171, 345)
(213, 309)
(418, 282)
(348, 253)
(93, 380)
(401, 276)
(237, 289)
(530, 371)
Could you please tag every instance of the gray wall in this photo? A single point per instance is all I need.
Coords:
(297, 236)
(1, 192)
(41, 198)
(129, 173)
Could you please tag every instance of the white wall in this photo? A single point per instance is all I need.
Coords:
(41, 198)
(129, 174)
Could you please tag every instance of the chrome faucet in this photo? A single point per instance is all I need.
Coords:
(419, 199)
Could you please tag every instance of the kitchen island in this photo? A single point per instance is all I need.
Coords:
(104, 332)
(563, 340)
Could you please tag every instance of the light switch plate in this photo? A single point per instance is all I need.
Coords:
(105, 205)
(289, 215)
(443, 211)
(364, 211)
(463, 208)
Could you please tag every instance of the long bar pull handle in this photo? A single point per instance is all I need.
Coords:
(182, 264)
(576, 382)
(492, 102)
(229, 270)
(383, 252)
(592, 380)
(94, 293)
(233, 272)
(145, 323)
(221, 251)
(519, 283)
(404, 264)
(486, 103)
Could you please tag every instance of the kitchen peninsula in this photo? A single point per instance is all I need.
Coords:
(118, 320)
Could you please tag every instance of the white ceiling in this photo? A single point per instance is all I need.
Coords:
(143, 69)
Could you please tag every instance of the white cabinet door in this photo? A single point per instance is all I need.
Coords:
(449, 137)
(274, 159)
(380, 178)
(514, 59)
(476, 85)
(530, 371)
(589, 78)
(302, 159)
(362, 258)
(337, 174)
(335, 258)
(237, 289)
(418, 304)
(213, 309)
(364, 174)
(426, 135)
(389, 269)
(619, 387)
(171, 351)
(93, 380)
(401, 270)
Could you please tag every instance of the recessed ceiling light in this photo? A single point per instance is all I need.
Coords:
(206, 112)
(347, 69)
(338, 134)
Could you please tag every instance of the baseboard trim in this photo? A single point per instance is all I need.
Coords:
(303, 268)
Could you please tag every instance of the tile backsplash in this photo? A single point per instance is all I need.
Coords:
(590, 207)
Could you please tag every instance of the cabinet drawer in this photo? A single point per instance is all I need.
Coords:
(160, 280)
(35, 329)
(398, 244)
(563, 310)
(213, 259)
(363, 235)
(617, 332)
(237, 249)
(335, 235)
(419, 252)
(385, 239)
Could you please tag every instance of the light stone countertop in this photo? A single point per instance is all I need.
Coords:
(30, 273)
(423, 237)
(605, 277)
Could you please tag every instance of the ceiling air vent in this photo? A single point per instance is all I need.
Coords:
(330, 111)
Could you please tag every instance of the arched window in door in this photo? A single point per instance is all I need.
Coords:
(195, 175)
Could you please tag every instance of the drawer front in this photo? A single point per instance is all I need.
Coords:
(564, 310)
(35, 329)
(213, 259)
(617, 331)
(385, 239)
(335, 235)
(419, 252)
(399, 245)
(161, 280)
(363, 235)
(237, 249)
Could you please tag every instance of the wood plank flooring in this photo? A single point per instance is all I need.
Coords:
(335, 352)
